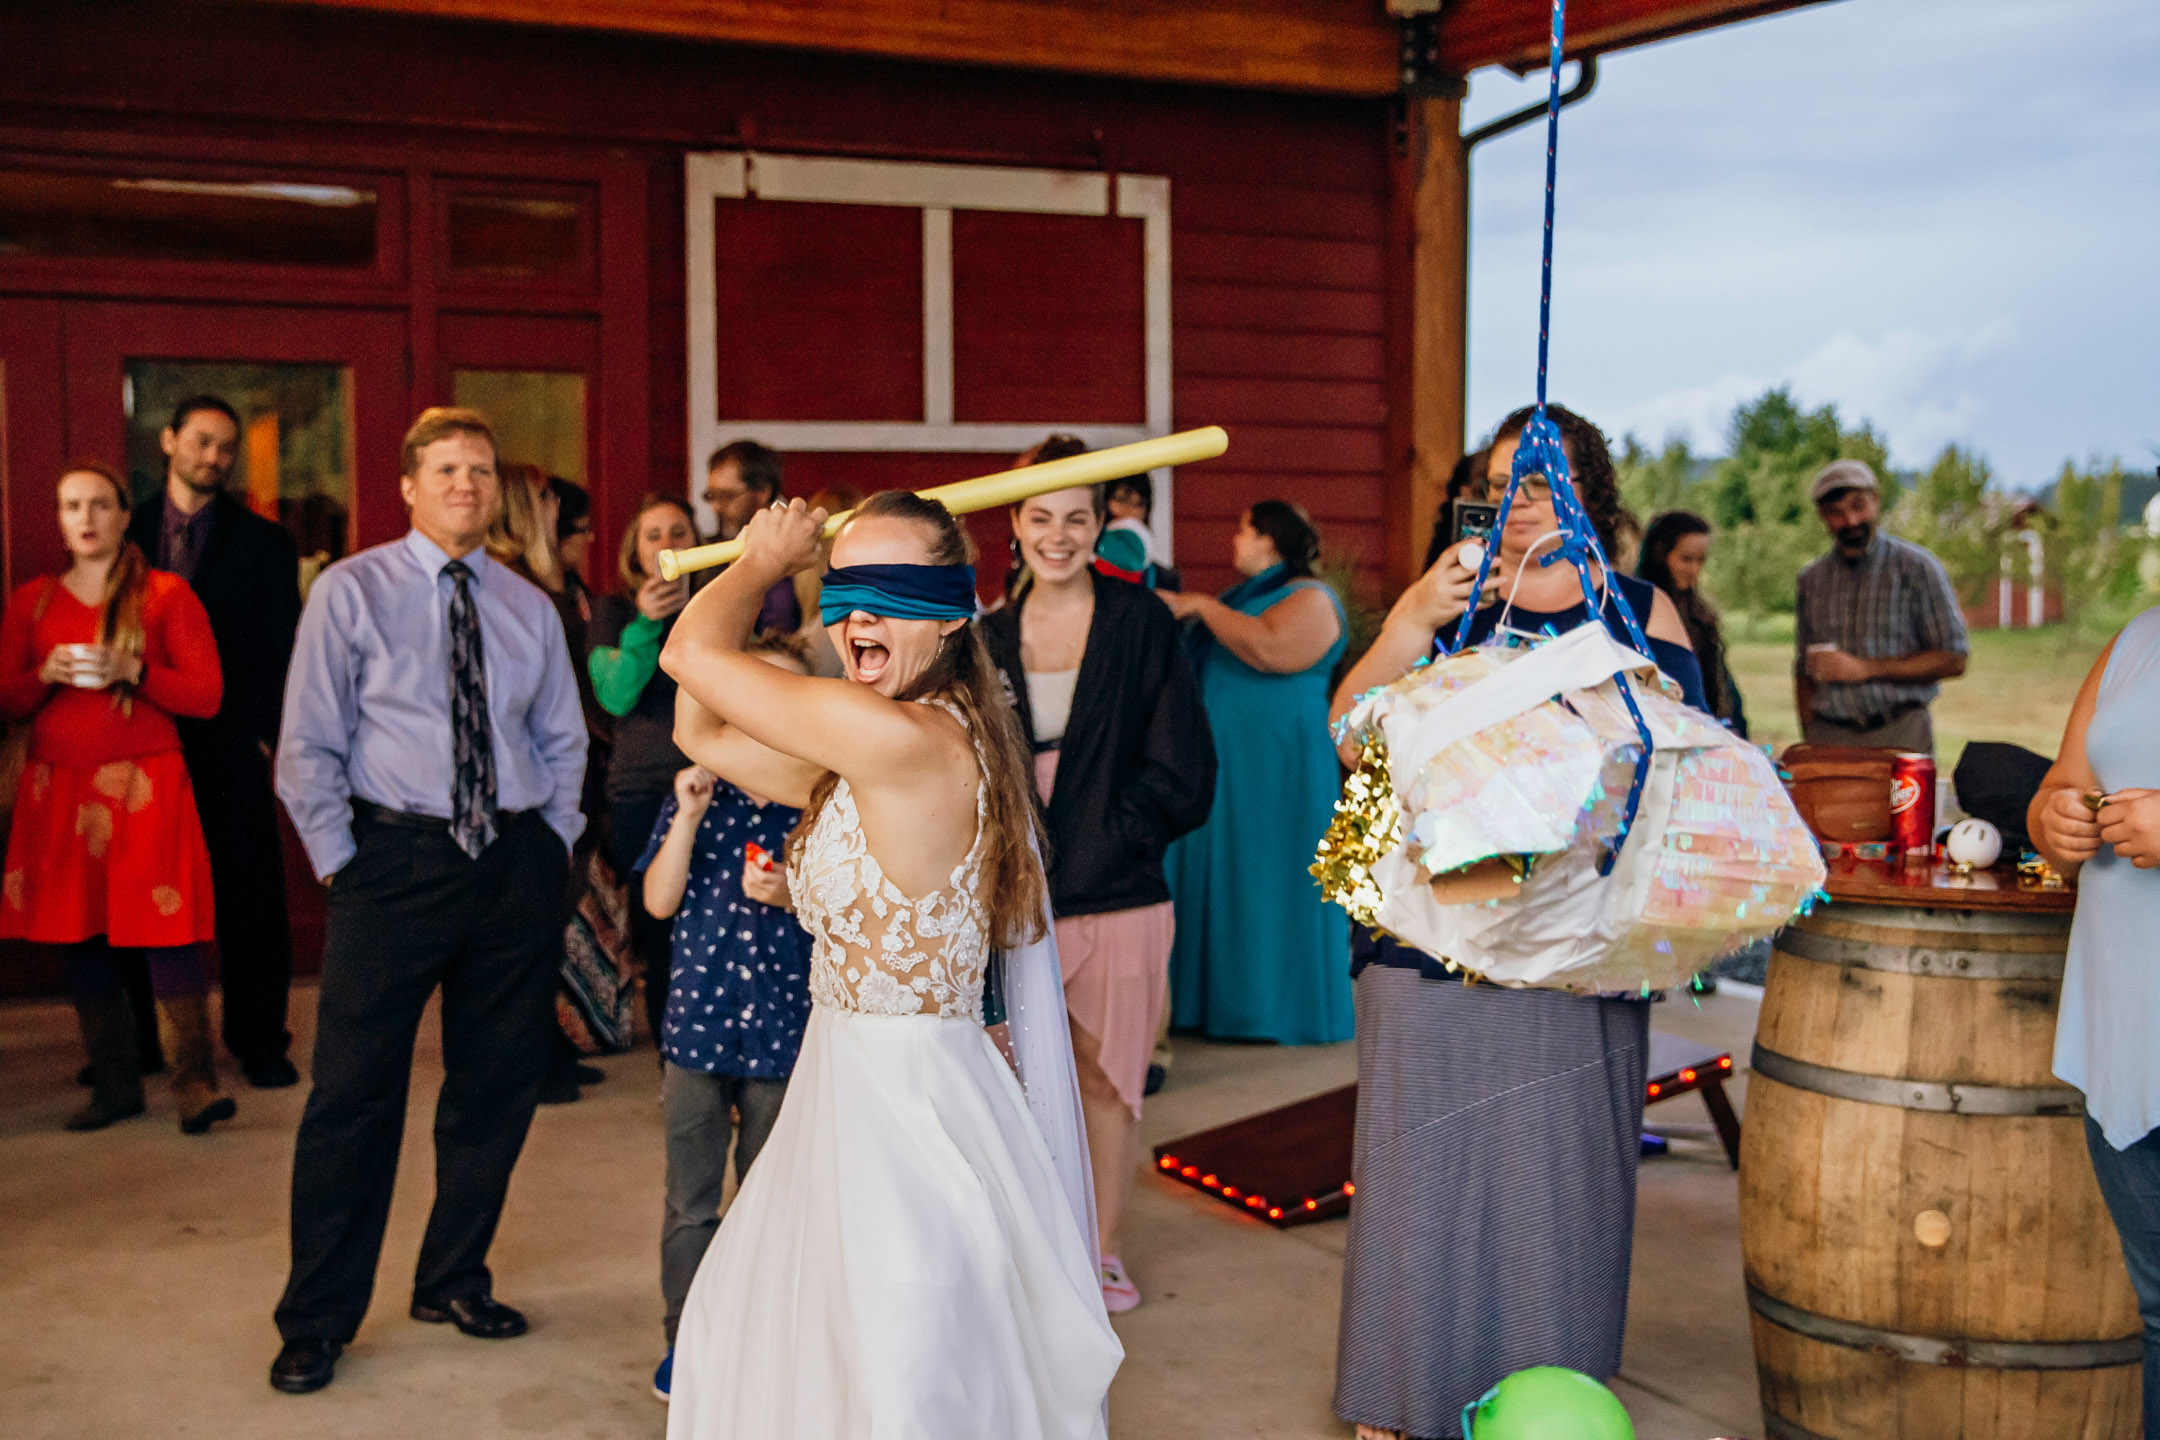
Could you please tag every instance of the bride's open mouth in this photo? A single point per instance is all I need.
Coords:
(870, 659)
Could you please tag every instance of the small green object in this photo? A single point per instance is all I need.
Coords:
(1547, 1403)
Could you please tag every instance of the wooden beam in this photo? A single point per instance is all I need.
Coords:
(1436, 171)
(1344, 47)
(1477, 33)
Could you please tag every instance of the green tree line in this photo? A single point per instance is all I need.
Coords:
(1756, 497)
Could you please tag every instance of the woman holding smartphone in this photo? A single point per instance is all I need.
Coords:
(1497, 1130)
(628, 630)
(106, 852)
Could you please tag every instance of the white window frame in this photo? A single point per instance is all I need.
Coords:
(937, 190)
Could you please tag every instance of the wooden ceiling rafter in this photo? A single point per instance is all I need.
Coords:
(1340, 47)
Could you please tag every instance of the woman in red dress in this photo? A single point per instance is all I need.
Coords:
(107, 851)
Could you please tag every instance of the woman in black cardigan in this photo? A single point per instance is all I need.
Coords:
(1124, 762)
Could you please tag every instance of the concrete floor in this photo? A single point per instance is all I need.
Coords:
(138, 1269)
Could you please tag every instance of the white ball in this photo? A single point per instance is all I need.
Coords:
(1975, 843)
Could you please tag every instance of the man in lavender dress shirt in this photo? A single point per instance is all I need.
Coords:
(431, 756)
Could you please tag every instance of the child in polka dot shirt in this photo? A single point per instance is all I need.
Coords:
(738, 997)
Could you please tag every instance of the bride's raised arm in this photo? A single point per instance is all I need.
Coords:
(836, 725)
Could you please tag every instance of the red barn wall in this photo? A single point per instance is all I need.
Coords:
(1278, 201)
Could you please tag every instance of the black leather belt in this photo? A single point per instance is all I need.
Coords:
(406, 820)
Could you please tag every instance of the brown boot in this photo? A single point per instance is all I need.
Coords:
(108, 1026)
(184, 1027)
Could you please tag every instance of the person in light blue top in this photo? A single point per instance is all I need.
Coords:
(431, 756)
(368, 714)
(2098, 816)
(1259, 955)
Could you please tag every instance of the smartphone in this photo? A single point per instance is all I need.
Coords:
(1473, 520)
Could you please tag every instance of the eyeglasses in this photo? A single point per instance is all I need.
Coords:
(1534, 490)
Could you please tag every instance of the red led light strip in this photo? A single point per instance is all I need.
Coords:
(1337, 1201)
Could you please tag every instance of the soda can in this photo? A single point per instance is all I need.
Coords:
(1912, 805)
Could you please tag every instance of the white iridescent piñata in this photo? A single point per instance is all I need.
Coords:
(1483, 825)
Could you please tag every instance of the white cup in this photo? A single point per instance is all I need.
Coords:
(88, 666)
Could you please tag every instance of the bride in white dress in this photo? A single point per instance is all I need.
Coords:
(911, 1257)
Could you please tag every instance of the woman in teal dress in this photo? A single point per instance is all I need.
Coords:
(1258, 954)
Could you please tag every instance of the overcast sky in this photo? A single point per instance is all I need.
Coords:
(1943, 215)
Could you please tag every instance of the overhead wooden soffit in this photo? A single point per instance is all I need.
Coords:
(1343, 47)
(1518, 33)
(1337, 46)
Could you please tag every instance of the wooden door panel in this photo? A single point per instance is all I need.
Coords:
(371, 344)
(33, 439)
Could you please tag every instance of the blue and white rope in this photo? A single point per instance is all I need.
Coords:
(1540, 452)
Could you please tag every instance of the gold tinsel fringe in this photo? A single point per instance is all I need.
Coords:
(1367, 825)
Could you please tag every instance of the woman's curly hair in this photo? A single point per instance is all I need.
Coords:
(1590, 469)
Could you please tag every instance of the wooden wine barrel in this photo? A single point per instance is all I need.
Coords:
(1927, 1253)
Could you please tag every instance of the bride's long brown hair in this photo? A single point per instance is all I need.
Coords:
(1014, 890)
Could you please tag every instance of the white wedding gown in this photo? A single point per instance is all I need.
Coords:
(904, 1260)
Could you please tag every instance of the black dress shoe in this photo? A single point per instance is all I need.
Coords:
(304, 1366)
(275, 1073)
(481, 1316)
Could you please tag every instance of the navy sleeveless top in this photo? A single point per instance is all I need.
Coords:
(1677, 661)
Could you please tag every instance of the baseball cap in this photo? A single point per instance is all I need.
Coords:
(1842, 475)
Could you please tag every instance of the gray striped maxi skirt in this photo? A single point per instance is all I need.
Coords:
(1497, 1138)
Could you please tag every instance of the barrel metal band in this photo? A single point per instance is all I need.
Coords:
(1960, 1353)
(1949, 1098)
(1777, 1427)
(1914, 960)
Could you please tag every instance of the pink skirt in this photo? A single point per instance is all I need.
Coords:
(1117, 976)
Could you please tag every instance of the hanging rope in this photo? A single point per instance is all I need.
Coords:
(1540, 452)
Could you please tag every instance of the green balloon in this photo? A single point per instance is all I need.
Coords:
(1548, 1403)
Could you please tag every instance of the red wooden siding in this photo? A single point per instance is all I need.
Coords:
(807, 474)
(1048, 318)
(1277, 240)
(820, 311)
(1278, 335)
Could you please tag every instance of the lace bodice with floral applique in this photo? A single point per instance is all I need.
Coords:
(875, 950)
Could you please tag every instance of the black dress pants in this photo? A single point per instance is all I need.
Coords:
(409, 912)
(247, 872)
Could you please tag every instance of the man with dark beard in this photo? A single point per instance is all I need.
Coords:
(246, 572)
(1877, 625)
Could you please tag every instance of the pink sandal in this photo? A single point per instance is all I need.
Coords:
(1119, 1294)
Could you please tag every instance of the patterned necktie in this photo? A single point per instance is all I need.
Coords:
(472, 746)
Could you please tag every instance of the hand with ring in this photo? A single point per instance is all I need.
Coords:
(784, 539)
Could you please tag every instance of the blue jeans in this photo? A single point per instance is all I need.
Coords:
(2130, 1183)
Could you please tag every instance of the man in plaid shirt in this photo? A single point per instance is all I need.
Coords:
(1877, 625)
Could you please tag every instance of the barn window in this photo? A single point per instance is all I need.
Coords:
(138, 217)
(901, 324)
